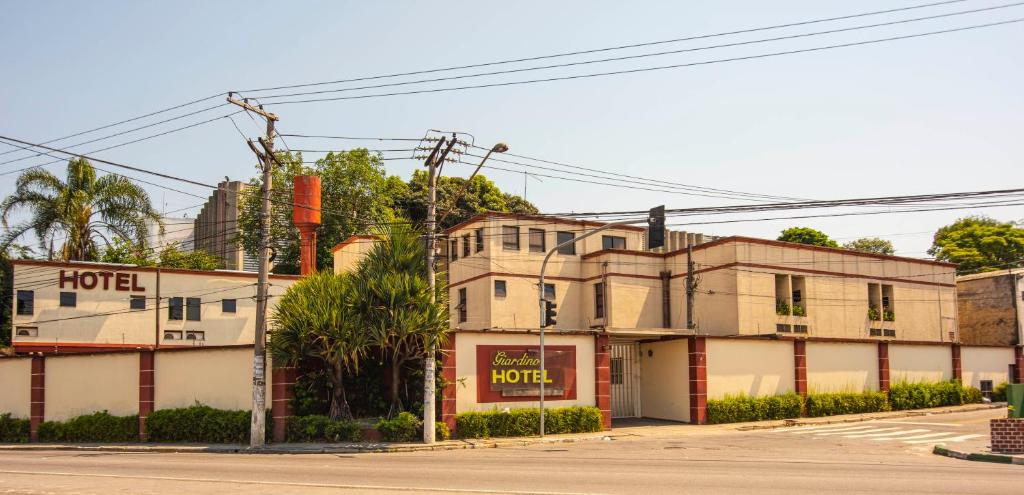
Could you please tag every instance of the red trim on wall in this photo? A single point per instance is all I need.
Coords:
(87, 348)
(483, 391)
(883, 366)
(698, 375)
(448, 393)
(603, 379)
(1018, 360)
(147, 392)
(37, 400)
(282, 383)
(800, 366)
(148, 269)
(957, 369)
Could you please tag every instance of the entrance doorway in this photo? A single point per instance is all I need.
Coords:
(625, 379)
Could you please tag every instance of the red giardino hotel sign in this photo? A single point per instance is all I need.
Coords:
(509, 373)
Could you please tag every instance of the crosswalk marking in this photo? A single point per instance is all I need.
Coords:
(849, 431)
(886, 431)
(889, 434)
(915, 437)
(954, 439)
(820, 432)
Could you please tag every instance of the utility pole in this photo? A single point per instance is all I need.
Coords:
(689, 286)
(257, 432)
(429, 367)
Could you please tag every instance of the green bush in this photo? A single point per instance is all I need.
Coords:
(441, 431)
(96, 427)
(742, 408)
(525, 422)
(316, 428)
(999, 393)
(831, 404)
(920, 395)
(13, 430)
(402, 428)
(200, 424)
(971, 395)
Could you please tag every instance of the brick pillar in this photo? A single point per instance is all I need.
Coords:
(1018, 360)
(697, 347)
(957, 369)
(37, 400)
(147, 392)
(800, 366)
(282, 383)
(603, 379)
(883, 366)
(448, 394)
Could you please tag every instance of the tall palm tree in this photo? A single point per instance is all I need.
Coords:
(78, 212)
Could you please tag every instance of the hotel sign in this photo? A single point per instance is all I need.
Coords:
(122, 282)
(512, 373)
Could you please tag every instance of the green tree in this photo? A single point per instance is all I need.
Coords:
(171, 256)
(78, 212)
(979, 244)
(807, 235)
(458, 202)
(392, 299)
(871, 245)
(314, 320)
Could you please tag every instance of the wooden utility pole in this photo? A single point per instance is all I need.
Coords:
(257, 432)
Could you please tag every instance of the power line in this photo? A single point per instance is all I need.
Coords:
(605, 49)
(654, 68)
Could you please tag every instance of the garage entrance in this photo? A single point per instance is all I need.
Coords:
(624, 369)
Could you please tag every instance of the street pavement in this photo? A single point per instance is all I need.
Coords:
(886, 456)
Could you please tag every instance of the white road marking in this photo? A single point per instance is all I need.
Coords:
(941, 440)
(868, 429)
(809, 428)
(918, 423)
(819, 432)
(915, 437)
(890, 434)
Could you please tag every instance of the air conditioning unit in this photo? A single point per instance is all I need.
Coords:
(27, 331)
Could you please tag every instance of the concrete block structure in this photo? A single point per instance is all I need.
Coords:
(991, 307)
(216, 227)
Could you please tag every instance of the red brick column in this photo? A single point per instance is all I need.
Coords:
(147, 392)
(958, 373)
(37, 400)
(282, 383)
(697, 347)
(1018, 360)
(1007, 435)
(883, 366)
(800, 366)
(603, 379)
(448, 394)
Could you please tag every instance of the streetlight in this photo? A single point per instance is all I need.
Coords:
(497, 148)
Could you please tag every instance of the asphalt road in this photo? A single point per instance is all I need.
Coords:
(832, 459)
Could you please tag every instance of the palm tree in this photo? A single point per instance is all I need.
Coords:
(392, 297)
(83, 209)
(314, 320)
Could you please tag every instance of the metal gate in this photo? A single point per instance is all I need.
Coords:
(625, 380)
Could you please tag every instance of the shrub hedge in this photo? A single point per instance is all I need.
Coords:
(999, 393)
(905, 395)
(524, 422)
(200, 424)
(315, 428)
(441, 431)
(13, 430)
(831, 404)
(405, 427)
(95, 427)
(742, 408)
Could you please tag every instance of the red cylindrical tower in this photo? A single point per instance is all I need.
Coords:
(306, 215)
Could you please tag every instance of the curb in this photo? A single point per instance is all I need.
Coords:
(827, 420)
(978, 456)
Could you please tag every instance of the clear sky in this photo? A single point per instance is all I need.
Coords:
(935, 114)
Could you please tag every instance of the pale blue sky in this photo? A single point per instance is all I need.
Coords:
(942, 113)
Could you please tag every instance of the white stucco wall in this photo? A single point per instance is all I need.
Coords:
(920, 363)
(15, 386)
(77, 385)
(749, 367)
(985, 363)
(219, 378)
(664, 380)
(841, 367)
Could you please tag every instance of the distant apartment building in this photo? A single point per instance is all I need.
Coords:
(991, 307)
(177, 231)
(216, 227)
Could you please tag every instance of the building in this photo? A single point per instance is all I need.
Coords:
(991, 307)
(216, 227)
(78, 307)
(178, 232)
(763, 318)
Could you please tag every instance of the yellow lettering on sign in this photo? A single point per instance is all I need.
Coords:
(497, 376)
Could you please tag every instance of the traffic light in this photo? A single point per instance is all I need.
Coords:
(656, 227)
(550, 313)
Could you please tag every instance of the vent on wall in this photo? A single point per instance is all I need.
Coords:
(27, 331)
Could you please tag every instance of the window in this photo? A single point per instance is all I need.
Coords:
(875, 332)
(195, 335)
(500, 290)
(137, 302)
(799, 328)
(479, 240)
(613, 242)
(174, 309)
(549, 292)
(192, 308)
(228, 305)
(615, 369)
(561, 237)
(889, 332)
(510, 238)
(26, 302)
(782, 327)
(27, 331)
(537, 241)
(986, 389)
(465, 246)
(68, 299)
(599, 300)
(797, 296)
(172, 335)
(453, 251)
(462, 305)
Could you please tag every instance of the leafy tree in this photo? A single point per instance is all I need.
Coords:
(871, 245)
(314, 320)
(171, 256)
(979, 244)
(455, 205)
(392, 298)
(79, 212)
(807, 235)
